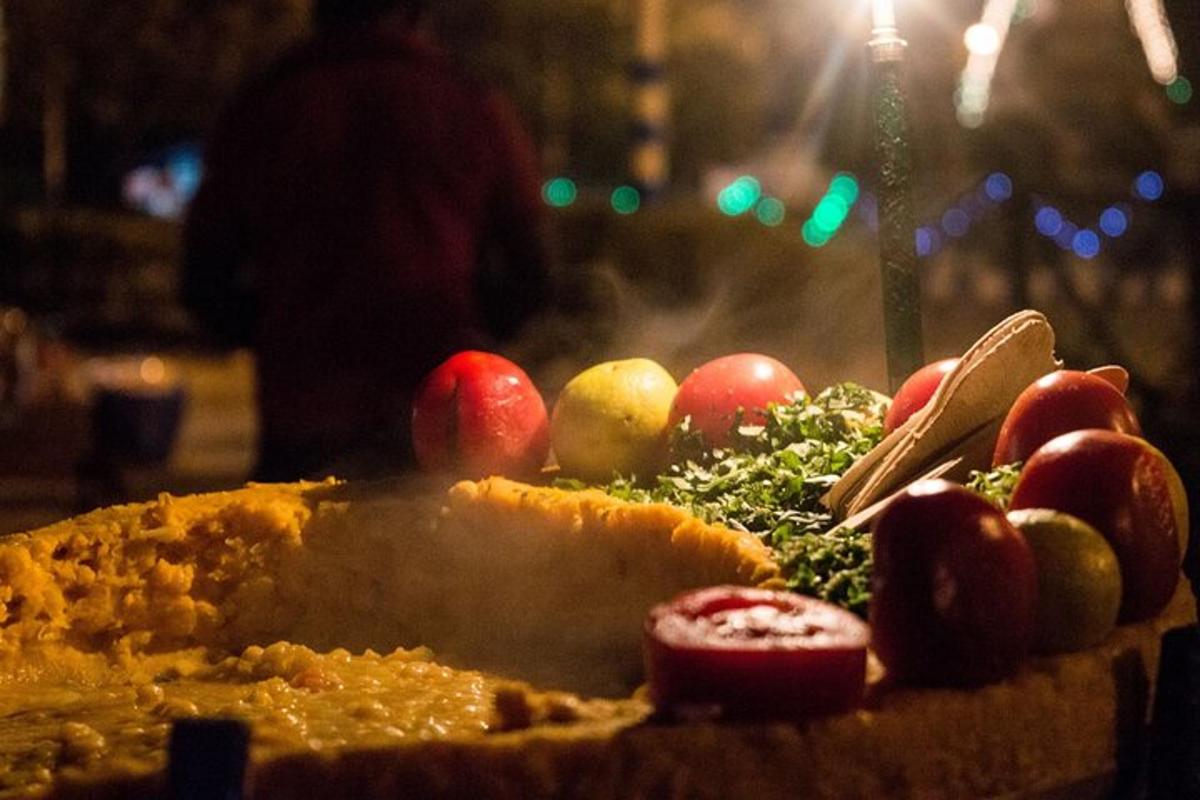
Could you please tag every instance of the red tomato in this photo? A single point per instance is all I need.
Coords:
(1116, 375)
(1123, 487)
(954, 588)
(915, 392)
(1059, 403)
(715, 391)
(755, 653)
(478, 414)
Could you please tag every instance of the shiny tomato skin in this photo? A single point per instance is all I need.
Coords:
(479, 414)
(1115, 374)
(712, 394)
(1121, 486)
(798, 657)
(916, 391)
(954, 589)
(1059, 403)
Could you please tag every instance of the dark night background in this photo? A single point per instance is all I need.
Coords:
(105, 106)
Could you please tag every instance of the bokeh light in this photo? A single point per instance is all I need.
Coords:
(1086, 244)
(559, 192)
(740, 196)
(1149, 185)
(626, 200)
(868, 209)
(1065, 238)
(770, 211)
(1049, 221)
(928, 241)
(956, 222)
(845, 186)
(1114, 222)
(982, 39)
(813, 235)
(998, 187)
(1179, 91)
(830, 213)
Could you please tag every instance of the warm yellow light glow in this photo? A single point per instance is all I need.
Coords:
(152, 370)
(982, 39)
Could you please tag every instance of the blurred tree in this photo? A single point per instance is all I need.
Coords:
(132, 72)
(562, 63)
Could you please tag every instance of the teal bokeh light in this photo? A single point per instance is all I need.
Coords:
(830, 213)
(845, 186)
(1179, 91)
(770, 211)
(559, 192)
(626, 200)
(813, 235)
(740, 196)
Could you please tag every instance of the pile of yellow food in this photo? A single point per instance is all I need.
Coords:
(384, 642)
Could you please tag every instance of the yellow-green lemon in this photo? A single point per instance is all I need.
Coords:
(1079, 580)
(612, 418)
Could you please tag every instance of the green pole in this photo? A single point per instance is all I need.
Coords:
(897, 223)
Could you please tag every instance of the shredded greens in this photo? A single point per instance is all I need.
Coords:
(769, 482)
(996, 485)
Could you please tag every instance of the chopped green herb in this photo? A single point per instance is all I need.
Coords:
(996, 485)
(769, 482)
(834, 566)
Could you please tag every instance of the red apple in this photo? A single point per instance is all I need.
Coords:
(1122, 487)
(715, 391)
(954, 589)
(478, 414)
(916, 392)
(1059, 403)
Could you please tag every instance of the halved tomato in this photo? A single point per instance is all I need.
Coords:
(758, 653)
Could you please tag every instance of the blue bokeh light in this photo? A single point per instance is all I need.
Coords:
(1086, 244)
(1049, 221)
(868, 208)
(925, 238)
(956, 222)
(1114, 222)
(1149, 185)
(998, 187)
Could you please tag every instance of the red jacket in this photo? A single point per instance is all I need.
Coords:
(350, 201)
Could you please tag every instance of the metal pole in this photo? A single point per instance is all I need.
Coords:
(649, 161)
(897, 223)
(3, 62)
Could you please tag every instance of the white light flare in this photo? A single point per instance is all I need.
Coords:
(1149, 20)
(883, 15)
(984, 41)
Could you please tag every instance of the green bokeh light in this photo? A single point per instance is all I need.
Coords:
(739, 196)
(1179, 91)
(845, 186)
(830, 213)
(813, 235)
(770, 211)
(626, 200)
(559, 192)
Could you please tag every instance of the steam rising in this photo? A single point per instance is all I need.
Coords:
(822, 317)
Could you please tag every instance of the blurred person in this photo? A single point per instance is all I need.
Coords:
(367, 210)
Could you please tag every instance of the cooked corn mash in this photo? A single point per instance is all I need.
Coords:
(277, 605)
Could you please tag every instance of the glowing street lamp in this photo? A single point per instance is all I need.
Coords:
(897, 222)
